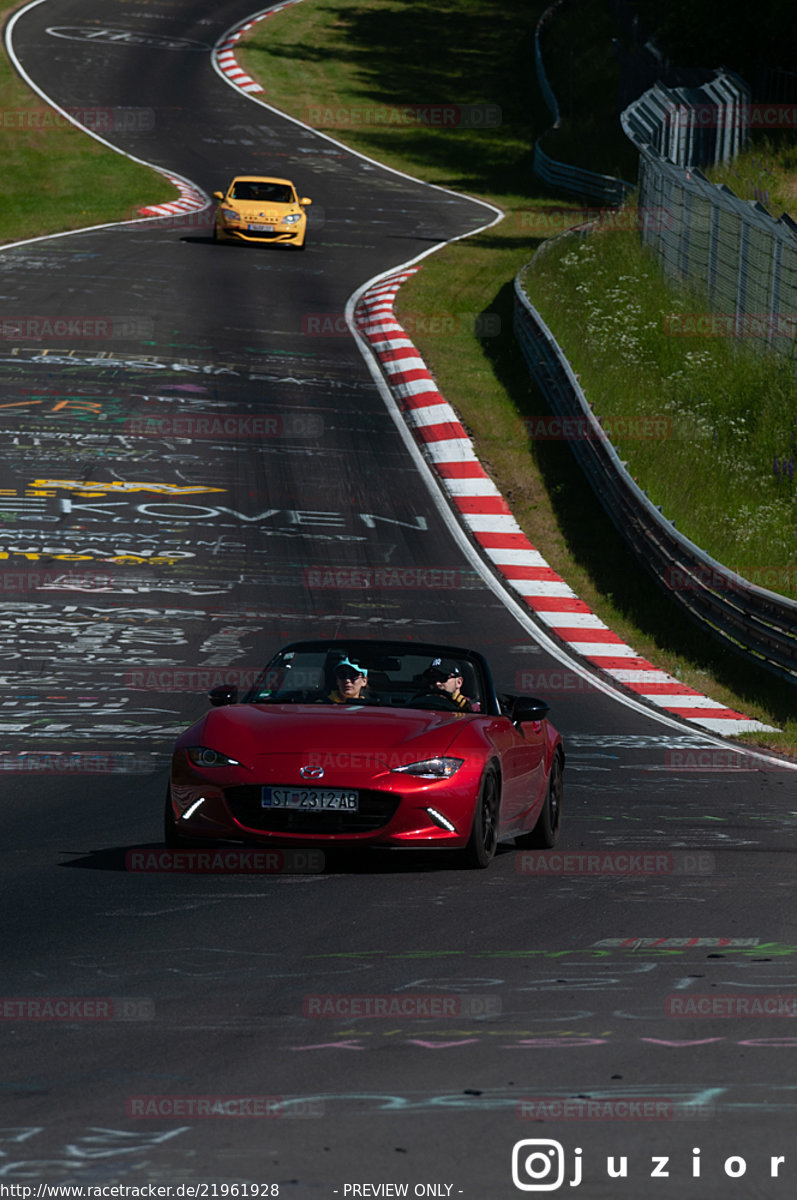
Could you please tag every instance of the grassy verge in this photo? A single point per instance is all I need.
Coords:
(717, 455)
(56, 178)
(364, 71)
(338, 53)
(766, 172)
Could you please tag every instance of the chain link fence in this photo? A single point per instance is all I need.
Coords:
(742, 258)
(746, 262)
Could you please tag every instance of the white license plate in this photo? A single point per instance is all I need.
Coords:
(260, 228)
(310, 799)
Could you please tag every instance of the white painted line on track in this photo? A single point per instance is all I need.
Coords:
(452, 459)
(447, 446)
(454, 467)
(192, 197)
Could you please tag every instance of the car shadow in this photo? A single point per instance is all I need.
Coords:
(209, 240)
(235, 859)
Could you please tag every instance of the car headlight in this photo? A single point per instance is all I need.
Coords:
(203, 756)
(292, 218)
(432, 768)
(230, 214)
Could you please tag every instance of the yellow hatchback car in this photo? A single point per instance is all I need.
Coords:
(259, 208)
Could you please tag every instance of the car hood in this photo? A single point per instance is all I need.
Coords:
(249, 731)
(265, 210)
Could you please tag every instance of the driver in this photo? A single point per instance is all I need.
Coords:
(351, 680)
(445, 676)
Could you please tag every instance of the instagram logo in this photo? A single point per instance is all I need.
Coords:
(538, 1165)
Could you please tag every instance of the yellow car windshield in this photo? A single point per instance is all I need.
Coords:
(271, 193)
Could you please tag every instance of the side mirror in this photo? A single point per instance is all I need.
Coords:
(223, 694)
(526, 709)
(218, 195)
(305, 200)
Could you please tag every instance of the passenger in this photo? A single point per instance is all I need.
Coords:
(445, 676)
(351, 680)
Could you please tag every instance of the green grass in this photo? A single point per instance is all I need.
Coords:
(347, 67)
(351, 57)
(380, 55)
(488, 382)
(721, 415)
(54, 177)
(766, 172)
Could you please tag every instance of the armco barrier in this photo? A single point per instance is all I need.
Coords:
(747, 617)
(576, 181)
(599, 189)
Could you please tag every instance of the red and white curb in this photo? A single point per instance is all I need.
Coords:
(486, 514)
(191, 200)
(224, 53)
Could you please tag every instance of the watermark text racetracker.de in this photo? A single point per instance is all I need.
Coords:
(192, 679)
(544, 1165)
(546, 222)
(54, 327)
(389, 578)
(430, 324)
(758, 1005)
(717, 759)
(73, 762)
(758, 114)
(76, 1008)
(705, 577)
(405, 1005)
(99, 120)
(226, 425)
(737, 325)
(638, 428)
(237, 1107)
(609, 1108)
(442, 116)
(21, 582)
(615, 862)
(231, 861)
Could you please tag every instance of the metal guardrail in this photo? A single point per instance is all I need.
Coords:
(576, 181)
(748, 617)
(548, 94)
(563, 177)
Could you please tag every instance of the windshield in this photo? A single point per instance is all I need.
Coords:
(262, 192)
(334, 673)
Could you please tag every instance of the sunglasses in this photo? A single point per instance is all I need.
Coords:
(347, 674)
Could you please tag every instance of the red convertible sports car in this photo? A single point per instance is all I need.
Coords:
(370, 743)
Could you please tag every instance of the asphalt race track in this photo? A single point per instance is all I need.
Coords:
(136, 562)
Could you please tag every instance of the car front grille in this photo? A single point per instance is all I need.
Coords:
(376, 809)
(267, 237)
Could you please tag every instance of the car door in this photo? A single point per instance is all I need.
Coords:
(521, 749)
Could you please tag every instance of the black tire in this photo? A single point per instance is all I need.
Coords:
(170, 835)
(483, 841)
(545, 833)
